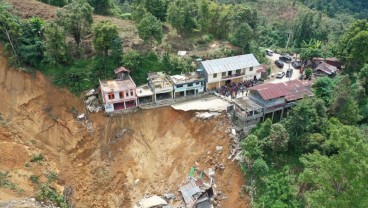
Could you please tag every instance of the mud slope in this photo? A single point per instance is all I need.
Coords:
(156, 146)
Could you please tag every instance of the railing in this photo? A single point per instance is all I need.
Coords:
(233, 76)
(243, 115)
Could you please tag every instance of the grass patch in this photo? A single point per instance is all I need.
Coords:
(7, 184)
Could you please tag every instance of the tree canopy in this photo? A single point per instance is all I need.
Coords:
(76, 18)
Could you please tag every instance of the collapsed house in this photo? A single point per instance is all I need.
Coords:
(268, 99)
(160, 85)
(119, 94)
(188, 84)
(219, 72)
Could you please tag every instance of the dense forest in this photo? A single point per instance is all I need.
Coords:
(316, 157)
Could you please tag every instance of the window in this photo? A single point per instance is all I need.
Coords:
(179, 86)
(224, 74)
(111, 96)
(251, 69)
(214, 75)
(121, 94)
(127, 94)
(238, 71)
(190, 85)
(230, 73)
(131, 93)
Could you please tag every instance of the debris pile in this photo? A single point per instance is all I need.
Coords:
(199, 190)
(235, 146)
(91, 101)
(207, 115)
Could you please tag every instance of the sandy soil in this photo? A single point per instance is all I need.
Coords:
(158, 146)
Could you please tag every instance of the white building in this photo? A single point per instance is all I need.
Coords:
(219, 72)
(187, 84)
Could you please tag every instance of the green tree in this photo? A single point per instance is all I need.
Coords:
(56, 50)
(182, 15)
(76, 18)
(308, 116)
(175, 16)
(277, 191)
(278, 138)
(338, 180)
(9, 30)
(58, 3)
(150, 29)
(203, 14)
(343, 105)
(363, 77)
(323, 89)
(101, 6)
(263, 130)
(138, 12)
(260, 167)
(30, 43)
(353, 46)
(132, 60)
(157, 8)
(242, 36)
(311, 49)
(104, 35)
(251, 147)
(308, 72)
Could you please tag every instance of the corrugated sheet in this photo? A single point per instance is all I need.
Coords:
(230, 63)
(291, 90)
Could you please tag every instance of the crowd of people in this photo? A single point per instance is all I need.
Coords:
(236, 88)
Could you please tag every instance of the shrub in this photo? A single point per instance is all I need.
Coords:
(37, 157)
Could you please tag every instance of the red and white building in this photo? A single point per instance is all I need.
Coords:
(119, 94)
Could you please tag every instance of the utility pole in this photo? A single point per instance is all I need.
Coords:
(289, 36)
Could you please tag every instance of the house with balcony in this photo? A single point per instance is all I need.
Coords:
(161, 86)
(119, 94)
(188, 84)
(277, 97)
(219, 72)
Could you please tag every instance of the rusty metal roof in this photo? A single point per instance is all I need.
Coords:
(291, 90)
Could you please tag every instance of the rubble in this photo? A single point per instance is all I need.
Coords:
(152, 201)
(207, 115)
(91, 102)
(219, 149)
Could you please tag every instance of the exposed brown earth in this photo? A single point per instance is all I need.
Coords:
(158, 147)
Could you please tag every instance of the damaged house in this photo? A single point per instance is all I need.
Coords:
(119, 94)
(160, 85)
(268, 99)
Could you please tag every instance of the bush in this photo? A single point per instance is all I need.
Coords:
(126, 16)
(34, 179)
(37, 157)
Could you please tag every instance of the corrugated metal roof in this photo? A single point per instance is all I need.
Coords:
(291, 90)
(269, 90)
(230, 63)
(326, 68)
